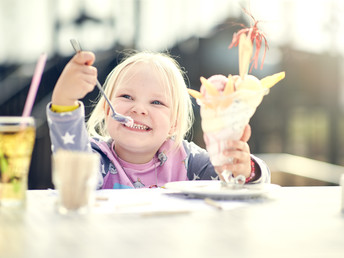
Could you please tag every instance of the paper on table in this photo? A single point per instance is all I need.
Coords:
(154, 201)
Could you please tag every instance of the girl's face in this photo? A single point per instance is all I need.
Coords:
(140, 95)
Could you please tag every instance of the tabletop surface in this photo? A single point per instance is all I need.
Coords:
(291, 222)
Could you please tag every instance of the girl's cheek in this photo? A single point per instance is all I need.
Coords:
(120, 106)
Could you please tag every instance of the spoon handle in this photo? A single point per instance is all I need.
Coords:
(118, 117)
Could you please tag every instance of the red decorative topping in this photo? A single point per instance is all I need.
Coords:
(256, 36)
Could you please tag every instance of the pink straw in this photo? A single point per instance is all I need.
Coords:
(36, 79)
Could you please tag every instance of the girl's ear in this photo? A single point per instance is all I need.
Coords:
(106, 108)
(172, 130)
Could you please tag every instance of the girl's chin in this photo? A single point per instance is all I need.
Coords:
(134, 145)
(137, 145)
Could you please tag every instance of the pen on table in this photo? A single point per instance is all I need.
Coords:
(164, 213)
(102, 198)
(213, 203)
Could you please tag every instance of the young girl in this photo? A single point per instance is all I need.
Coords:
(150, 88)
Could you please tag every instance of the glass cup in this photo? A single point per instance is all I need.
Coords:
(17, 138)
(224, 118)
(75, 178)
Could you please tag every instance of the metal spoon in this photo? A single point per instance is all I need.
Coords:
(127, 120)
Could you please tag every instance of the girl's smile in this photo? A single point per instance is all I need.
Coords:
(138, 127)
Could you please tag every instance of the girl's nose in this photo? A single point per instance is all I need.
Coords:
(139, 108)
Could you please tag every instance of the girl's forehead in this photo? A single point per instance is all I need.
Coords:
(141, 69)
(141, 72)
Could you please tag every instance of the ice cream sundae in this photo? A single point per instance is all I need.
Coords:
(228, 103)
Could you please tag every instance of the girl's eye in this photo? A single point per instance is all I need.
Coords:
(126, 96)
(157, 102)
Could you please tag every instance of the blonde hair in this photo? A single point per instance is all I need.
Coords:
(174, 81)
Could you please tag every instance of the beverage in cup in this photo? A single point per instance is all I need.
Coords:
(17, 138)
(75, 178)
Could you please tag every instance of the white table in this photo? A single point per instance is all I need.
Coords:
(295, 222)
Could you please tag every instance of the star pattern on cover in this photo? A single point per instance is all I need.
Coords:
(68, 138)
(215, 178)
(65, 114)
(195, 177)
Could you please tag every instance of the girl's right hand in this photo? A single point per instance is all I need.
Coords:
(77, 79)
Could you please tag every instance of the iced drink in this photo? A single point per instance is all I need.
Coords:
(75, 177)
(17, 138)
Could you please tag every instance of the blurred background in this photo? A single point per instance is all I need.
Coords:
(302, 116)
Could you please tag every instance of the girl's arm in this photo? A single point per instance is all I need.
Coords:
(65, 119)
(68, 129)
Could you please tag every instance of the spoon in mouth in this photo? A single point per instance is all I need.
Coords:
(127, 120)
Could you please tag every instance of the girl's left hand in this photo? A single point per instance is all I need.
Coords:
(239, 151)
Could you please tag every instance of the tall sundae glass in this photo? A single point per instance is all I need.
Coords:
(227, 105)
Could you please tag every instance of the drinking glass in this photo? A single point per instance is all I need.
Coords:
(17, 138)
(75, 178)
